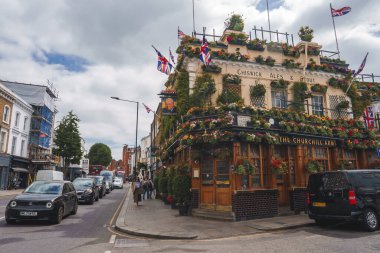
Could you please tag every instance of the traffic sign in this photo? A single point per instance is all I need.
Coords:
(378, 152)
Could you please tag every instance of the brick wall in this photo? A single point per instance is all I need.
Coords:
(257, 204)
(195, 198)
(298, 199)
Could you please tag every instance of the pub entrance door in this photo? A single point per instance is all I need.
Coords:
(215, 184)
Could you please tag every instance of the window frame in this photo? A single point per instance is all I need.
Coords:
(25, 121)
(17, 119)
(6, 113)
(281, 101)
(3, 146)
(317, 107)
(14, 145)
(22, 147)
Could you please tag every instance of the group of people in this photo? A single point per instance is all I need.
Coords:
(142, 189)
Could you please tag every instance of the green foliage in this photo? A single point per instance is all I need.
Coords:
(211, 68)
(231, 79)
(228, 97)
(345, 165)
(319, 88)
(258, 91)
(279, 84)
(290, 64)
(163, 183)
(314, 166)
(170, 174)
(342, 105)
(203, 89)
(182, 88)
(300, 94)
(167, 123)
(100, 154)
(235, 22)
(306, 33)
(182, 186)
(68, 140)
(245, 168)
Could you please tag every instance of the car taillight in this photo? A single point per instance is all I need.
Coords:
(351, 197)
(307, 198)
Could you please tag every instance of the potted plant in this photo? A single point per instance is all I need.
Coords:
(170, 174)
(314, 166)
(306, 33)
(343, 105)
(279, 167)
(163, 186)
(181, 189)
(155, 183)
(245, 168)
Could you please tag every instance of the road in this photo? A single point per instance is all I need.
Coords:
(88, 232)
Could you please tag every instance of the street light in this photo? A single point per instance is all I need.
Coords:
(137, 123)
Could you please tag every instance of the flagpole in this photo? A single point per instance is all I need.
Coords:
(194, 21)
(270, 34)
(336, 39)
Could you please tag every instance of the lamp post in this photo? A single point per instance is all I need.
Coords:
(137, 123)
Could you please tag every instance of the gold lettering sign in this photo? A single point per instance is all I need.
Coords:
(307, 141)
(272, 75)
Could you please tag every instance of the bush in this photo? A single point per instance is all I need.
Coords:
(163, 183)
(182, 186)
(170, 175)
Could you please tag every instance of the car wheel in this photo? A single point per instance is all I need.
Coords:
(59, 216)
(75, 208)
(9, 221)
(370, 220)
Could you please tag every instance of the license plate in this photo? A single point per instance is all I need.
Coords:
(319, 204)
(28, 213)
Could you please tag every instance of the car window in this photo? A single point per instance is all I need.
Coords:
(327, 181)
(365, 179)
(43, 187)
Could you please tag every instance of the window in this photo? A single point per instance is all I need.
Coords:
(17, 120)
(317, 105)
(279, 98)
(22, 148)
(207, 172)
(7, 110)
(3, 140)
(13, 149)
(25, 123)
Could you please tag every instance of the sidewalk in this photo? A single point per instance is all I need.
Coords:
(154, 219)
(4, 193)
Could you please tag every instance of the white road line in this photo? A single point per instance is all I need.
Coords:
(113, 238)
(107, 251)
(2, 218)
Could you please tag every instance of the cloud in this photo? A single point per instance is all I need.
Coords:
(93, 49)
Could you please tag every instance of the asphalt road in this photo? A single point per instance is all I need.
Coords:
(87, 231)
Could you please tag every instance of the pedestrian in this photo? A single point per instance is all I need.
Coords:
(145, 188)
(150, 188)
(136, 191)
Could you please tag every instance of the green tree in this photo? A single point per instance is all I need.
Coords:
(100, 154)
(68, 140)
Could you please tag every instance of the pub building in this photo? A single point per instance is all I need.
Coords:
(277, 113)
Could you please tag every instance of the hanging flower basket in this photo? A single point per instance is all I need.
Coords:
(279, 84)
(244, 167)
(343, 105)
(231, 79)
(314, 166)
(279, 167)
(211, 68)
(319, 88)
(258, 91)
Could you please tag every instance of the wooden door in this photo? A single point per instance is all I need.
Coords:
(207, 184)
(222, 185)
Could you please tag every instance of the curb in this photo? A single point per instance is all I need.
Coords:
(309, 224)
(122, 227)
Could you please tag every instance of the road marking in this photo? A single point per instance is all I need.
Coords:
(2, 218)
(113, 238)
(107, 251)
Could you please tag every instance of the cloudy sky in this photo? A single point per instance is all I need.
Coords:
(94, 49)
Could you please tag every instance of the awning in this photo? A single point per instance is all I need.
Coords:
(22, 170)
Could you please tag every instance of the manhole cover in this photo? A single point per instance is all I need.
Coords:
(130, 243)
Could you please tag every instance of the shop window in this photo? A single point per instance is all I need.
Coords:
(207, 172)
(349, 156)
(317, 105)
(254, 157)
(244, 149)
(279, 98)
(320, 155)
(222, 174)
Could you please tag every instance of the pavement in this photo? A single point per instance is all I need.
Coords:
(152, 218)
(6, 193)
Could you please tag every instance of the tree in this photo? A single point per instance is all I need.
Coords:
(100, 154)
(68, 140)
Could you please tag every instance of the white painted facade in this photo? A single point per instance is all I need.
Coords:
(19, 126)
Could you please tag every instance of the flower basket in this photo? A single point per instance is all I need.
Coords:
(319, 88)
(211, 69)
(279, 84)
(314, 166)
(279, 167)
(343, 105)
(258, 91)
(256, 44)
(306, 33)
(231, 79)
(244, 167)
(274, 47)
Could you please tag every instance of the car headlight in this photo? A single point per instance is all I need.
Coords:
(88, 191)
(49, 205)
(13, 203)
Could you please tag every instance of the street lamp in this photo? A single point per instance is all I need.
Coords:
(137, 123)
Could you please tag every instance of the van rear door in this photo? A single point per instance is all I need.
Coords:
(329, 194)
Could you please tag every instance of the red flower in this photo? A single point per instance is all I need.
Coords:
(229, 39)
(356, 142)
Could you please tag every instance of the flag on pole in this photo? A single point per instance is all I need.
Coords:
(205, 55)
(361, 67)
(340, 12)
(181, 34)
(163, 64)
(171, 56)
(148, 110)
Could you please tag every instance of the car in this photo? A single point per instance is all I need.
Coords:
(118, 182)
(108, 187)
(347, 195)
(43, 200)
(87, 190)
(101, 185)
(108, 177)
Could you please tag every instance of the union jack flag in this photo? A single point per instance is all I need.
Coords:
(148, 110)
(340, 12)
(171, 56)
(181, 34)
(369, 117)
(361, 67)
(163, 64)
(205, 55)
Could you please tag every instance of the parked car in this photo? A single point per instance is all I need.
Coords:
(43, 200)
(87, 190)
(118, 182)
(101, 184)
(351, 195)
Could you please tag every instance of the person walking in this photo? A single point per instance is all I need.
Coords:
(145, 188)
(150, 188)
(136, 191)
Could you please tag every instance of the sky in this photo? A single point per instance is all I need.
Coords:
(94, 49)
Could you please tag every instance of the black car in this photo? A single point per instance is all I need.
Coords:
(43, 200)
(101, 185)
(87, 190)
(352, 195)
